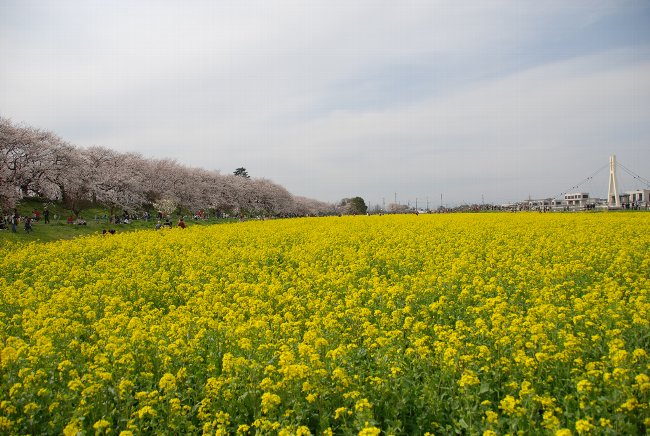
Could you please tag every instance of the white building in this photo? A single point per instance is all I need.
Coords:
(636, 199)
(540, 204)
(576, 199)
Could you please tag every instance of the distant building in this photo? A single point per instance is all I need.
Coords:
(576, 199)
(555, 203)
(540, 204)
(638, 199)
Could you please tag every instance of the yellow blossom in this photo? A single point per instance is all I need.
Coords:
(491, 416)
(269, 401)
(584, 426)
(508, 405)
(369, 430)
(167, 382)
(468, 379)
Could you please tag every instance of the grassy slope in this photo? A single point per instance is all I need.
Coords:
(59, 229)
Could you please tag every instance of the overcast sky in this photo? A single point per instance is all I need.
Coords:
(475, 100)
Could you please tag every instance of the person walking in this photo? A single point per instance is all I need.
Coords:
(14, 221)
(28, 224)
(46, 215)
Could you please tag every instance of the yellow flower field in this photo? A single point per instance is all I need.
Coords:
(478, 324)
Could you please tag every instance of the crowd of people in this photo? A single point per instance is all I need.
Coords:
(14, 220)
(168, 224)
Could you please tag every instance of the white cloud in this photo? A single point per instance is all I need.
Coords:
(553, 119)
(328, 97)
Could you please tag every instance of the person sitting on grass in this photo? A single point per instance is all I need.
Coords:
(28, 224)
(181, 223)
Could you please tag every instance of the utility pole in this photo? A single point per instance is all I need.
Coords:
(427, 203)
(416, 203)
(396, 198)
(441, 200)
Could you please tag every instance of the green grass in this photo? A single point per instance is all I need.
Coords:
(59, 228)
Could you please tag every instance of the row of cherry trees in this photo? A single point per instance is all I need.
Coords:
(39, 163)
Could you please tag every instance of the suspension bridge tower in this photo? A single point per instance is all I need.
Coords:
(613, 199)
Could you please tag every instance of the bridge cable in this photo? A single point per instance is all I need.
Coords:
(582, 182)
(633, 174)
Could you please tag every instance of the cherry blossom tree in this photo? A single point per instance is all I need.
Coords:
(74, 180)
(9, 193)
(165, 206)
(271, 199)
(32, 159)
(38, 162)
(304, 206)
(116, 179)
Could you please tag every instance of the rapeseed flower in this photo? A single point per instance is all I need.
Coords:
(321, 325)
